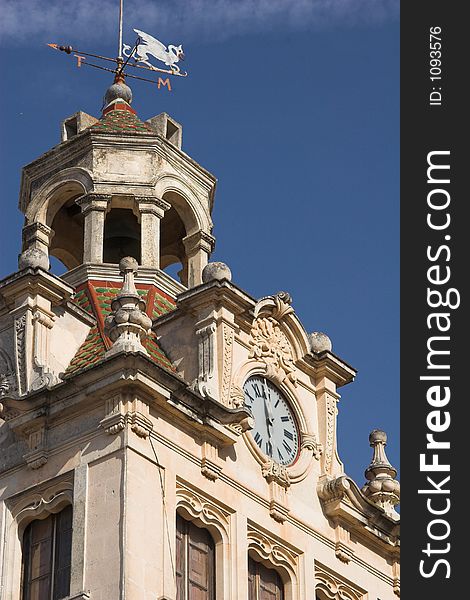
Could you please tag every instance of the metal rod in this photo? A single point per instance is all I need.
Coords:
(120, 28)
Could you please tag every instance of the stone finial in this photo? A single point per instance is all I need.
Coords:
(382, 488)
(33, 258)
(128, 323)
(319, 342)
(216, 270)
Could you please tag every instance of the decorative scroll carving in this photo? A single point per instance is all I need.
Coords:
(273, 471)
(237, 397)
(310, 442)
(7, 376)
(270, 345)
(227, 365)
(20, 351)
(273, 550)
(201, 507)
(268, 342)
(334, 587)
(330, 430)
(50, 500)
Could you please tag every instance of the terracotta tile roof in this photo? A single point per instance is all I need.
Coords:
(95, 297)
(122, 121)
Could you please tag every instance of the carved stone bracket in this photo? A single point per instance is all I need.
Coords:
(343, 549)
(309, 442)
(210, 464)
(273, 471)
(396, 577)
(36, 437)
(277, 477)
(126, 409)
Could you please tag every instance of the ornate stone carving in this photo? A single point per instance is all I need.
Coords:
(210, 463)
(273, 471)
(201, 507)
(227, 366)
(330, 431)
(309, 442)
(343, 550)
(382, 488)
(237, 396)
(36, 438)
(268, 342)
(205, 383)
(20, 351)
(270, 345)
(7, 376)
(334, 587)
(272, 549)
(396, 577)
(127, 324)
(126, 409)
(48, 500)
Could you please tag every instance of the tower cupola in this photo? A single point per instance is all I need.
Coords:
(118, 186)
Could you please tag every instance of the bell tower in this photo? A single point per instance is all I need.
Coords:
(117, 187)
(167, 438)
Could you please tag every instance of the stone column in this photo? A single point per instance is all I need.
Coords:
(37, 235)
(151, 212)
(198, 248)
(93, 208)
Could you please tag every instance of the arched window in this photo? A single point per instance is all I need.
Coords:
(263, 583)
(47, 549)
(195, 562)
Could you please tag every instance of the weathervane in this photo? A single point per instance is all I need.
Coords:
(136, 57)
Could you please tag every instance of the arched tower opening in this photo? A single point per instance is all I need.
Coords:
(122, 236)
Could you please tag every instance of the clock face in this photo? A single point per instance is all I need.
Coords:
(275, 431)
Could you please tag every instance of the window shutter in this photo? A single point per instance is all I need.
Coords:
(200, 564)
(252, 580)
(264, 583)
(63, 553)
(37, 548)
(195, 562)
(180, 558)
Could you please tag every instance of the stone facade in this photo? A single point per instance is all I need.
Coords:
(122, 392)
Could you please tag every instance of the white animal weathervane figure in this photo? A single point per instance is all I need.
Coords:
(153, 47)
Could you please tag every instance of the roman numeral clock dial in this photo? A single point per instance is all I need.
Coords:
(275, 431)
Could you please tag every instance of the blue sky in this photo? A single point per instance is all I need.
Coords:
(294, 106)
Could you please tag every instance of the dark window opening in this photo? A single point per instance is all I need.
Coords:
(121, 236)
(47, 550)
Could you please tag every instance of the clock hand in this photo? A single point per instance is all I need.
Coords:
(268, 404)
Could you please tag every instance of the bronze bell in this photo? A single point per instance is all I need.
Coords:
(121, 236)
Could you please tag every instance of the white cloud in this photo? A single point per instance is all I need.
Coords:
(25, 22)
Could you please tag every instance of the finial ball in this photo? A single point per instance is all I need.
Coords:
(319, 342)
(33, 258)
(128, 264)
(216, 270)
(377, 436)
(118, 90)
